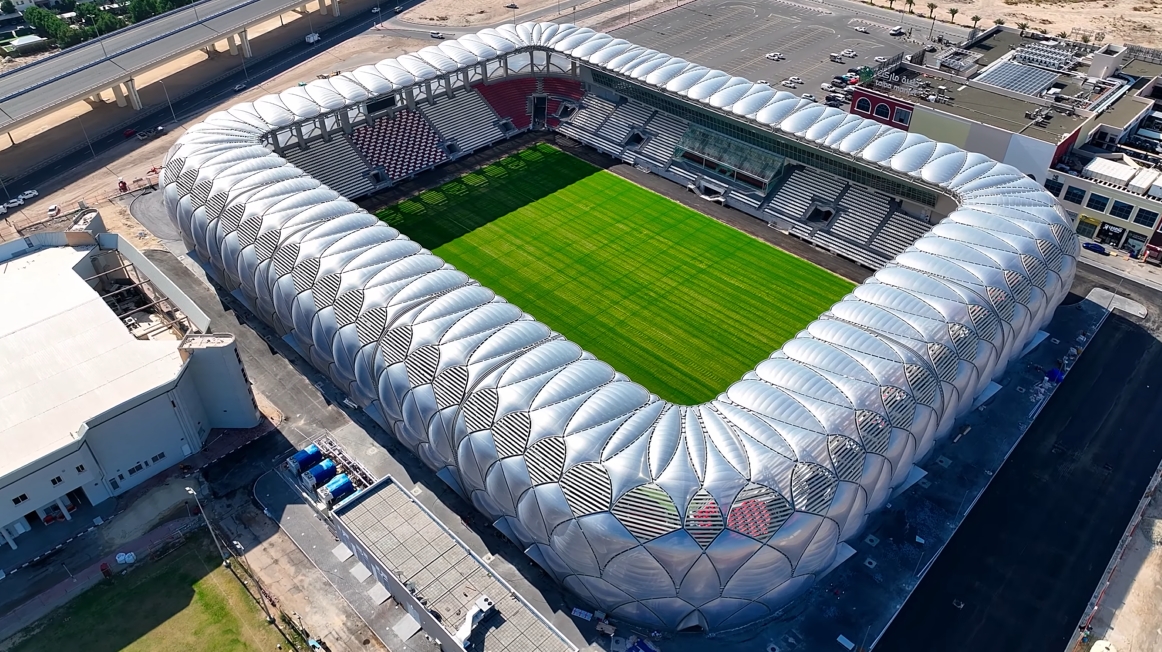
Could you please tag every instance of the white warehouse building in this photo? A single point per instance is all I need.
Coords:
(108, 375)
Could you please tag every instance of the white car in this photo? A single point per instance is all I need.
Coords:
(762, 81)
(375, 10)
(788, 84)
(439, 35)
(14, 202)
(54, 210)
(28, 194)
(861, 29)
(881, 59)
(3, 209)
(795, 80)
(238, 88)
(775, 56)
(808, 96)
(849, 53)
(827, 88)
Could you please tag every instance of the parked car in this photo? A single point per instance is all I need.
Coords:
(129, 133)
(143, 135)
(861, 29)
(29, 194)
(775, 56)
(54, 210)
(795, 80)
(3, 208)
(14, 202)
(1091, 246)
(826, 87)
(835, 97)
(834, 104)
(438, 35)
(849, 53)
(788, 84)
(881, 59)
(808, 96)
(398, 10)
(762, 81)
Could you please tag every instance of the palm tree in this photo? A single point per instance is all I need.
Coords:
(1085, 38)
(952, 12)
(1062, 34)
(975, 20)
(910, 4)
(931, 9)
(1043, 30)
(1022, 26)
(999, 21)
(890, 3)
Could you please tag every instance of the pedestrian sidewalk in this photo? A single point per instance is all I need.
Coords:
(82, 580)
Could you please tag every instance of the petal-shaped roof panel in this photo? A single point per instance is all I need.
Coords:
(618, 494)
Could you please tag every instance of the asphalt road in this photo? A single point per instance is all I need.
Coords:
(75, 72)
(1026, 560)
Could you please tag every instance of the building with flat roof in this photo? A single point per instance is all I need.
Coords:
(108, 376)
(1048, 108)
(447, 591)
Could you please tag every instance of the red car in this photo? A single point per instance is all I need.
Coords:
(129, 133)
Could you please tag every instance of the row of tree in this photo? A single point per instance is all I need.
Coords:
(94, 21)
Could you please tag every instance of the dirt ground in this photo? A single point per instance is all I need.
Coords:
(1128, 615)
(468, 13)
(1121, 21)
(94, 183)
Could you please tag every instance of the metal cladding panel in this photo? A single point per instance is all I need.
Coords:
(672, 516)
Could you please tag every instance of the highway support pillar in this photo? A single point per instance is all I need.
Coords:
(322, 7)
(134, 98)
(8, 538)
(118, 94)
(232, 43)
(335, 8)
(245, 41)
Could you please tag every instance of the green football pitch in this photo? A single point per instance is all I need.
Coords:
(675, 300)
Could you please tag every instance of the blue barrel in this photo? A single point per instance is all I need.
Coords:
(337, 489)
(304, 459)
(319, 474)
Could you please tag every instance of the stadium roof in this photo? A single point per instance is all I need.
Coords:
(714, 515)
(67, 357)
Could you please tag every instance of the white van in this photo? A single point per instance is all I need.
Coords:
(897, 31)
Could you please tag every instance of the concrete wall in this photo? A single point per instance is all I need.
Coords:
(1030, 155)
(216, 369)
(122, 440)
(940, 126)
(40, 491)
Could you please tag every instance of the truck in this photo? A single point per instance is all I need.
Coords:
(1153, 255)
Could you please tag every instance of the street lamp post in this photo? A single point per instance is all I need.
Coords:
(167, 101)
(213, 535)
(253, 576)
(86, 132)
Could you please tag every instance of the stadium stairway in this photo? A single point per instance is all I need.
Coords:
(898, 233)
(467, 119)
(336, 163)
(665, 133)
(510, 99)
(403, 144)
(861, 214)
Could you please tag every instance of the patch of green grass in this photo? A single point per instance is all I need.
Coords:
(186, 601)
(677, 301)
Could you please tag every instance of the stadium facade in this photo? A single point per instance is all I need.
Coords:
(710, 516)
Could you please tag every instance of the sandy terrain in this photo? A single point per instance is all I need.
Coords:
(1121, 21)
(1128, 616)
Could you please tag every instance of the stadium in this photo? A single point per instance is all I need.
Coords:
(678, 504)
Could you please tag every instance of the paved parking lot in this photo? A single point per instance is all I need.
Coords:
(734, 37)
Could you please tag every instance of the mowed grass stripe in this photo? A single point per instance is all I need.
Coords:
(675, 300)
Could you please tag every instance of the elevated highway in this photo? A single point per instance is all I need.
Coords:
(112, 62)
